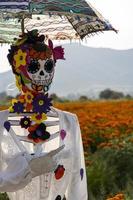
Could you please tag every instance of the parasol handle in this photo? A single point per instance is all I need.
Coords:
(22, 25)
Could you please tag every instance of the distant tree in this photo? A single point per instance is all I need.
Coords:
(110, 94)
(83, 98)
(3, 196)
(5, 99)
(9, 98)
(54, 97)
(128, 96)
(3, 95)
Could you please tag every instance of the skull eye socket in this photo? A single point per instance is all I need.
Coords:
(33, 67)
(49, 65)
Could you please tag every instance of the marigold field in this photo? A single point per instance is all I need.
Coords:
(107, 133)
(103, 122)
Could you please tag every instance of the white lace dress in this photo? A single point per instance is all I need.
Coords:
(20, 177)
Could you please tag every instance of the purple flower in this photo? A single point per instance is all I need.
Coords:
(18, 107)
(41, 103)
(25, 122)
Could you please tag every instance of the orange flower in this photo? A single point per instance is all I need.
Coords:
(28, 97)
(102, 120)
(28, 107)
(33, 127)
(43, 55)
(119, 196)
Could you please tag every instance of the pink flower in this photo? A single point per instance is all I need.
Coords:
(58, 52)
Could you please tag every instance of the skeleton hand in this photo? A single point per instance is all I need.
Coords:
(44, 163)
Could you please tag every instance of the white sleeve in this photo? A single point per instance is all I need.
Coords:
(14, 169)
(78, 186)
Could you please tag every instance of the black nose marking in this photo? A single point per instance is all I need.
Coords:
(41, 73)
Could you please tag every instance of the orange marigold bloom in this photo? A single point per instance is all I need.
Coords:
(43, 55)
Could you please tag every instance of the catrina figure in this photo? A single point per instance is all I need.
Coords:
(41, 152)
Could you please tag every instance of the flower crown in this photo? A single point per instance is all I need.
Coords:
(32, 45)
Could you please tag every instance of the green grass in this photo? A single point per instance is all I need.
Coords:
(111, 172)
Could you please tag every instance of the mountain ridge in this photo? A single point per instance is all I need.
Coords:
(88, 70)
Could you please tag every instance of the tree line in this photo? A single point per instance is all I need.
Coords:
(106, 94)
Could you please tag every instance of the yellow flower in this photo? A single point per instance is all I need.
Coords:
(11, 109)
(20, 59)
(28, 97)
(38, 118)
(12, 104)
(14, 101)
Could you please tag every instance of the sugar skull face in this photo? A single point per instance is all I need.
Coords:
(41, 72)
(34, 67)
(33, 62)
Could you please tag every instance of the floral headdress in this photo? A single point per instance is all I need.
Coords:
(32, 45)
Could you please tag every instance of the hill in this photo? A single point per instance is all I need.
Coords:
(87, 71)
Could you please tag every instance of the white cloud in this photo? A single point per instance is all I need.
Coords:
(119, 13)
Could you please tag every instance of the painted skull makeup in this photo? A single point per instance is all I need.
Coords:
(41, 72)
(33, 62)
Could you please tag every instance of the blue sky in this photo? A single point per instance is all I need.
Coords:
(118, 12)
